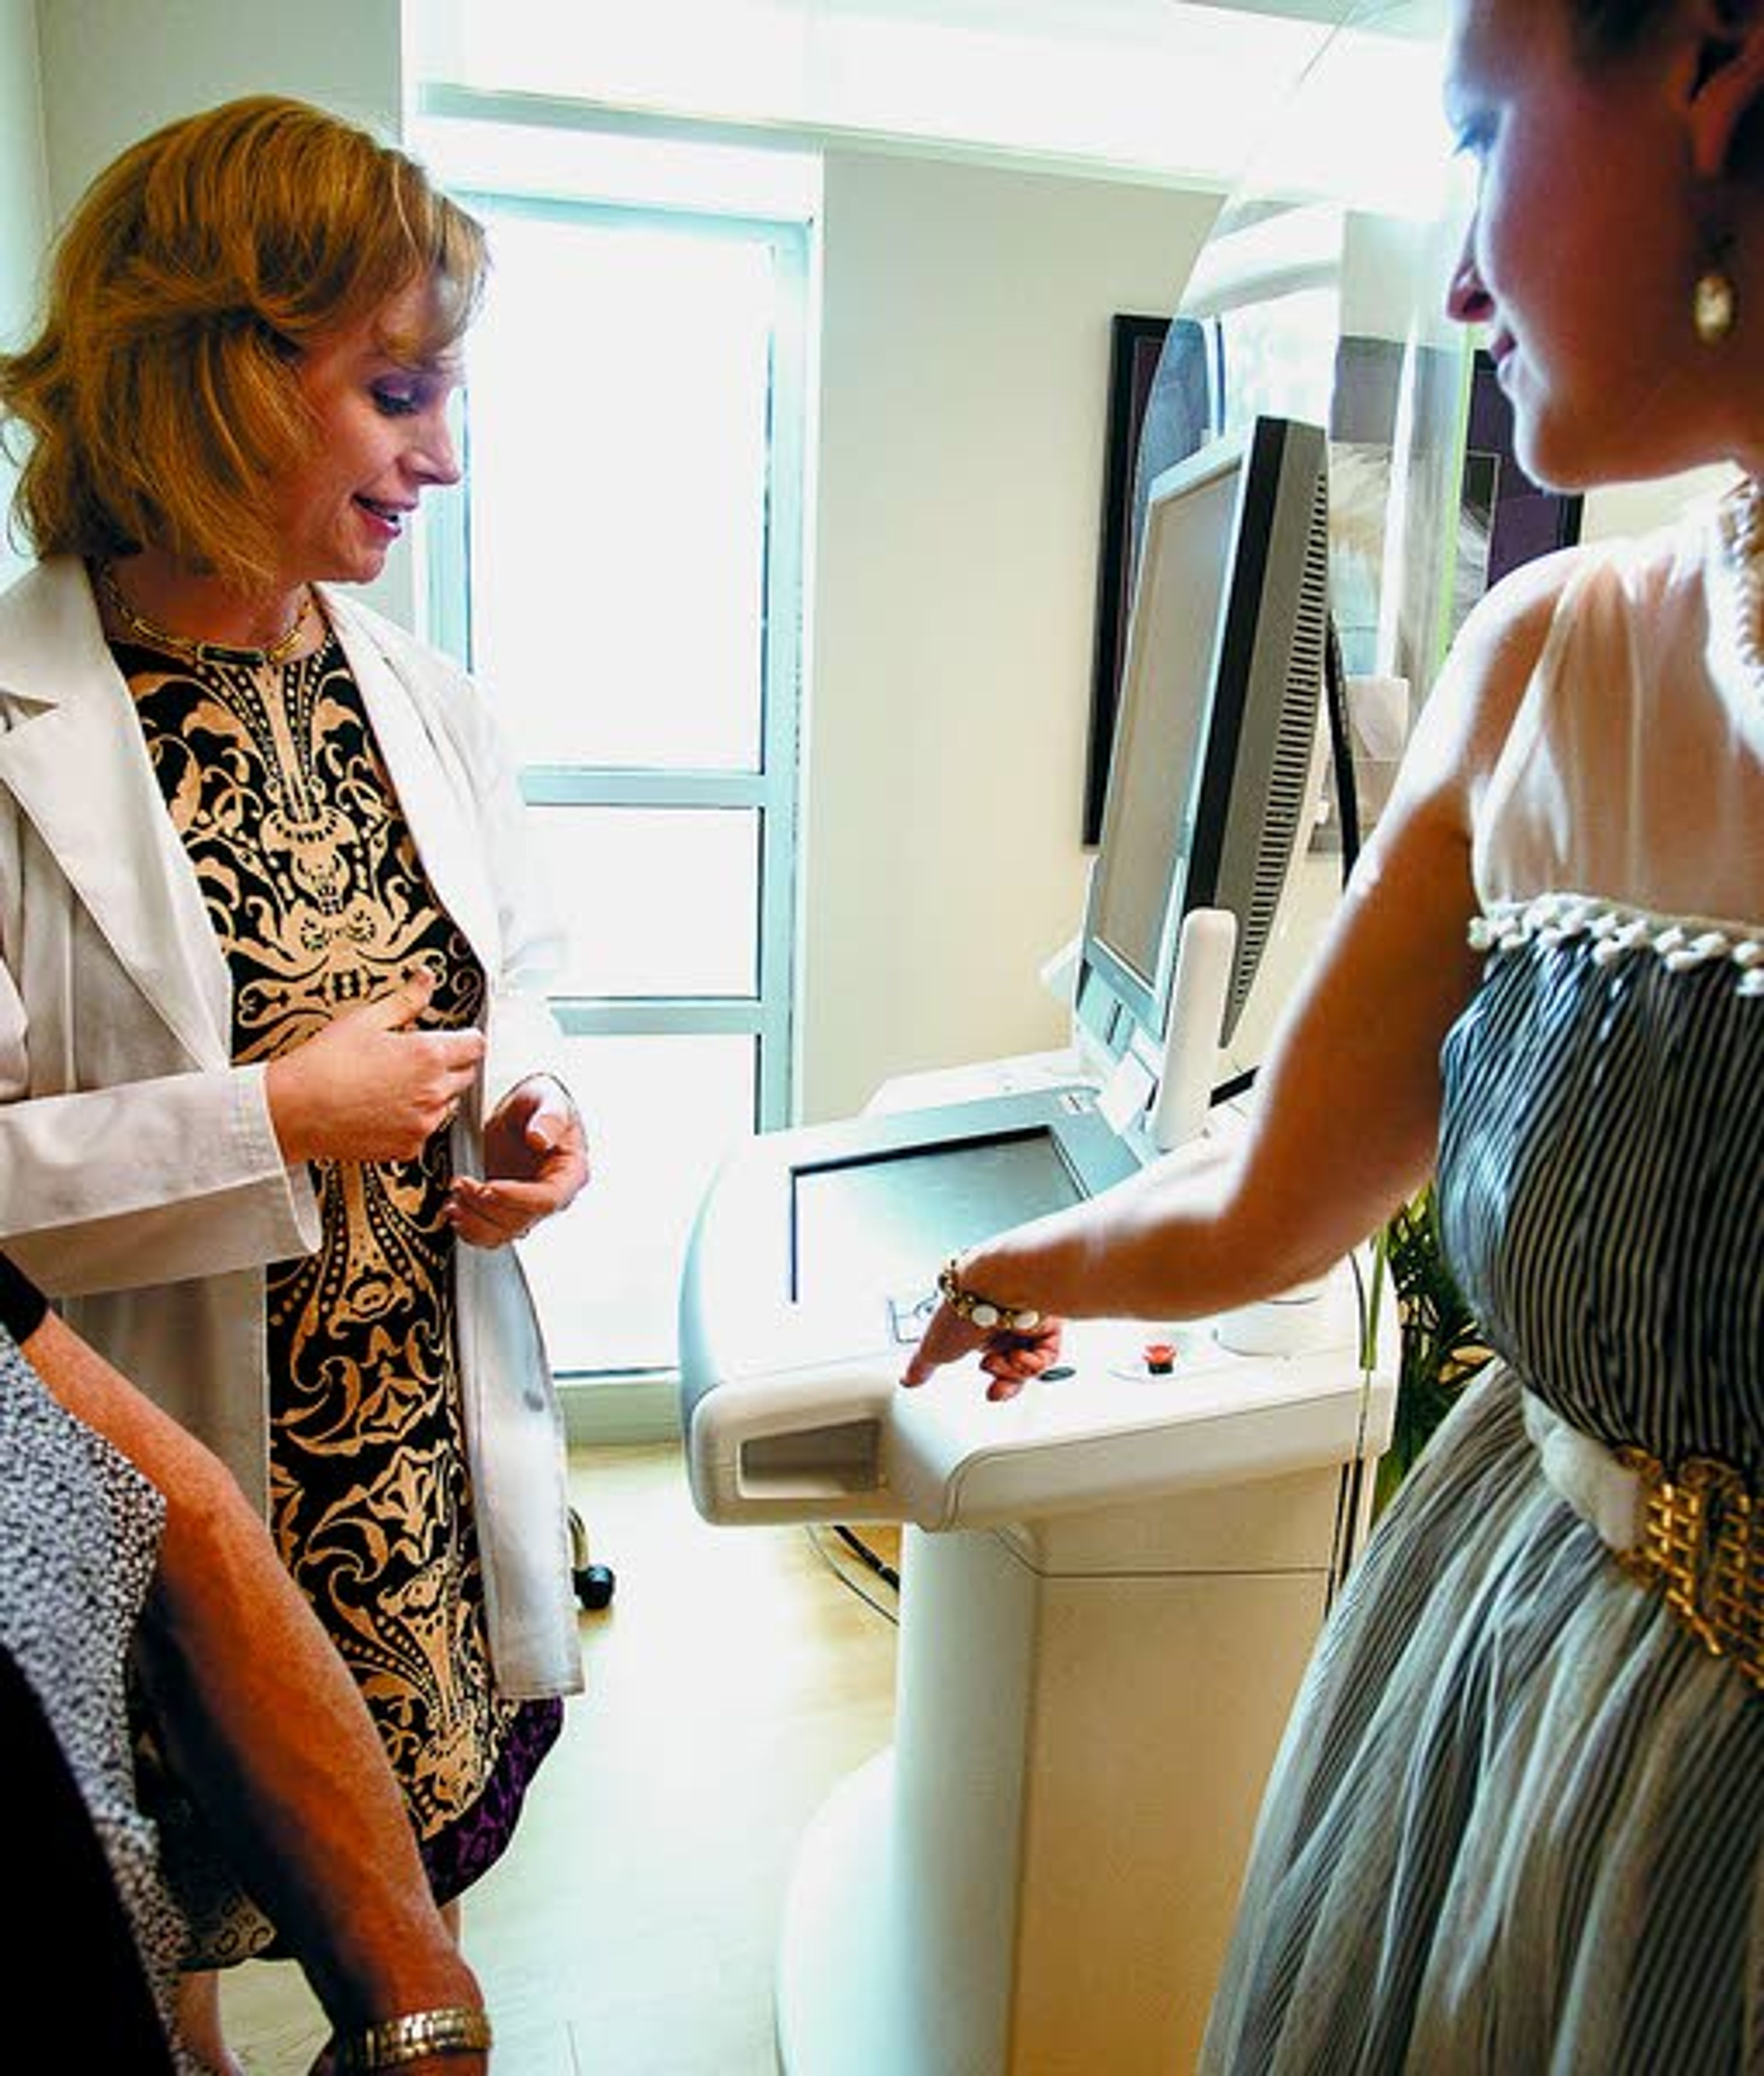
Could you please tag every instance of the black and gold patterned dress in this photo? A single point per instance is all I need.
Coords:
(320, 903)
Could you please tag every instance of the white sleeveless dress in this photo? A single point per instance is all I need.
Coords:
(1516, 1824)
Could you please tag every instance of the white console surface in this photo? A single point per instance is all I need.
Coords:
(1110, 1431)
(796, 1412)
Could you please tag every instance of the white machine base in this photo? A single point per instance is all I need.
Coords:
(1040, 1876)
(1110, 1584)
(839, 2004)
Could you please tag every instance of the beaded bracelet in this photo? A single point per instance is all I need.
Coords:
(982, 1312)
(394, 2043)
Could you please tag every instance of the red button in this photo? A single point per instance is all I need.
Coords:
(1160, 1357)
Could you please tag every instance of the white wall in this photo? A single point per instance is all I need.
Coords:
(964, 378)
(115, 69)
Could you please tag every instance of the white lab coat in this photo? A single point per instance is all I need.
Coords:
(140, 1180)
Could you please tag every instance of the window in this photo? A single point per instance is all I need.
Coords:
(622, 573)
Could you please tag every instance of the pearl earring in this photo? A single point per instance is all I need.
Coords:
(1714, 305)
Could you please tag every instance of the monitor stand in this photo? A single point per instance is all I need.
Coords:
(1199, 989)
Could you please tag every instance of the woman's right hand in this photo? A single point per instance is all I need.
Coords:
(370, 1086)
(1010, 1361)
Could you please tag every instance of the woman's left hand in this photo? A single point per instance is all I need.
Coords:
(535, 1160)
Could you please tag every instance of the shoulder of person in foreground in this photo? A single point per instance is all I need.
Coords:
(266, 1725)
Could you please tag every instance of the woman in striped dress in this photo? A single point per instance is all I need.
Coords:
(1518, 1820)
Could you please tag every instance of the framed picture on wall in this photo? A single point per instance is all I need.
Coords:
(1516, 518)
(1162, 407)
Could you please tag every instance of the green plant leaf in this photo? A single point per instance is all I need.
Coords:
(1442, 1347)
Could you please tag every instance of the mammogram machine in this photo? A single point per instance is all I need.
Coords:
(1110, 1583)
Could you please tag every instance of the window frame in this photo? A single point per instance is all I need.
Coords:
(774, 789)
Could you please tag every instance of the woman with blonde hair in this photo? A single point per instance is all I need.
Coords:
(275, 1094)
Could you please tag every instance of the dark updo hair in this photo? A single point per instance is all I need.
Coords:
(1609, 31)
(1608, 28)
(161, 397)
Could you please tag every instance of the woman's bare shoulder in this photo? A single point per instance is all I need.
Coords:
(1467, 715)
(1503, 639)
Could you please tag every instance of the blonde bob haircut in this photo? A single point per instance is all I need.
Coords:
(161, 401)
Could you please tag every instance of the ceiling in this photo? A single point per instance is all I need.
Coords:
(1178, 90)
(1137, 20)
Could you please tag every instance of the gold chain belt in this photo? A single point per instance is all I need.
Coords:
(1701, 1545)
(1695, 1535)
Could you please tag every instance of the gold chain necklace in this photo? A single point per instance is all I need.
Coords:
(193, 651)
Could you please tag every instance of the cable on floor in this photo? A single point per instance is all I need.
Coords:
(836, 1561)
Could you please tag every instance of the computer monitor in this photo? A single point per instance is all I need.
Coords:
(1217, 758)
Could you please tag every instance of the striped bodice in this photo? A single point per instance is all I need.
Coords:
(1601, 1170)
